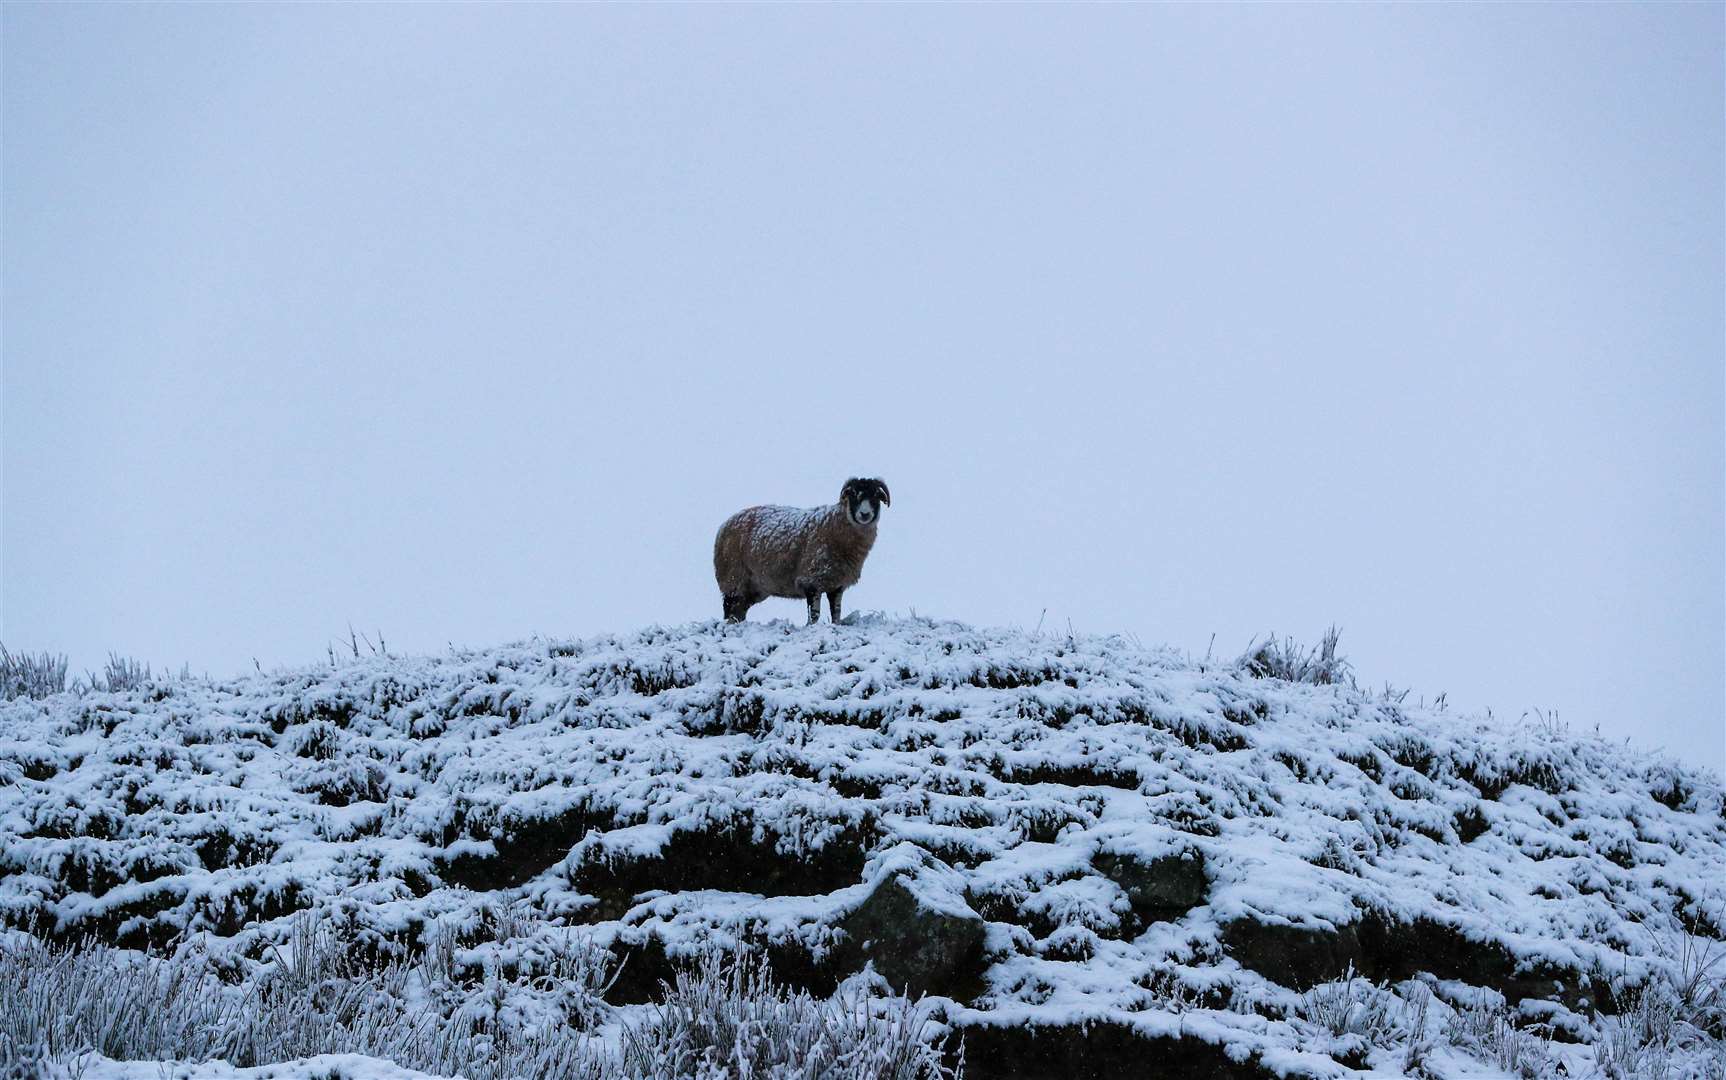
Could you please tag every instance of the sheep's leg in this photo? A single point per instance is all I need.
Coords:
(814, 601)
(833, 603)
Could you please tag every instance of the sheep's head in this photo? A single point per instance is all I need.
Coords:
(863, 500)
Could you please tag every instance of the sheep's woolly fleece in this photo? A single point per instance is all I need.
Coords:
(701, 784)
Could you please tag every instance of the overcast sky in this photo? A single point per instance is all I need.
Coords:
(470, 322)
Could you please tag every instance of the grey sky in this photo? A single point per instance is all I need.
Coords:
(469, 322)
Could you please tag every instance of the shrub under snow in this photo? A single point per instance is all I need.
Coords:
(1086, 854)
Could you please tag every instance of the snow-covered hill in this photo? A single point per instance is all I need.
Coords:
(1088, 853)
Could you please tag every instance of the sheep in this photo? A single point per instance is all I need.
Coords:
(782, 551)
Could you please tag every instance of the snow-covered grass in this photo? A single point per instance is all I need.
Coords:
(727, 1019)
(1696, 973)
(1349, 1006)
(1673, 1023)
(65, 1008)
(40, 675)
(122, 673)
(1666, 1028)
(1490, 1030)
(1292, 662)
(27, 675)
(316, 996)
(1044, 834)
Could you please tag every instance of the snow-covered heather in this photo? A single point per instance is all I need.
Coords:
(1165, 850)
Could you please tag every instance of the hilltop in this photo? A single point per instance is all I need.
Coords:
(1086, 853)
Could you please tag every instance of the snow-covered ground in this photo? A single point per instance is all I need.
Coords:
(321, 1067)
(1043, 833)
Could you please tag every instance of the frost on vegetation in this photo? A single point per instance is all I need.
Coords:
(1416, 1030)
(1695, 974)
(726, 1018)
(62, 1007)
(1373, 1021)
(1349, 1006)
(40, 675)
(123, 673)
(1070, 834)
(1490, 1031)
(1672, 1025)
(315, 995)
(1288, 660)
(25, 675)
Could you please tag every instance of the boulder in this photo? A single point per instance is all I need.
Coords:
(1159, 887)
(920, 934)
(1296, 956)
(1098, 1050)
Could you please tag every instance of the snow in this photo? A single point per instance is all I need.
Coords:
(976, 762)
(322, 1067)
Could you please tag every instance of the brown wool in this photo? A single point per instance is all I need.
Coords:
(784, 551)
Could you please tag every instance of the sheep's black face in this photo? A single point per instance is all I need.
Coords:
(864, 499)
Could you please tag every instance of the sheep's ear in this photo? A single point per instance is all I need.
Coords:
(886, 499)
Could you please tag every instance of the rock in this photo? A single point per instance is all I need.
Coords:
(642, 967)
(923, 938)
(1159, 888)
(1296, 956)
(1094, 1051)
(1471, 824)
(522, 847)
(1401, 950)
(1301, 956)
(728, 856)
